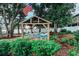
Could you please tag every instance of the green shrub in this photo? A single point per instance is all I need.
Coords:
(20, 47)
(72, 52)
(44, 47)
(4, 48)
(76, 32)
(77, 46)
(64, 31)
(53, 37)
(73, 42)
(64, 40)
(70, 41)
(77, 37)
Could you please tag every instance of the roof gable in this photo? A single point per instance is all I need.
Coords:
(36, 19)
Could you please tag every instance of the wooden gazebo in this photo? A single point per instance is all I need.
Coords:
(35, 20)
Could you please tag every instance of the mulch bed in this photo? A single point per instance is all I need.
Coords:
(65, 47)
(64, 50)
(14, 36)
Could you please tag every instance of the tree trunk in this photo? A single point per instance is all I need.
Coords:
(18, 29)
(0, 32)
(10, 33)
(55, 27)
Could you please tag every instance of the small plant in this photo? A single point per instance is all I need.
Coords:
(77, 37)
(72, 42)
(53, 37)
(72, 52)
(64, 40)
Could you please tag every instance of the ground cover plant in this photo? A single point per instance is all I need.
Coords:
(53, 37)
(73, 52)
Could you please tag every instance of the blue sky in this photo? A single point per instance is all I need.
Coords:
(30, 14)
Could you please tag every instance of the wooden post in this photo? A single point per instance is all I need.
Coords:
(48, 31)
(45, 26)
(22, 29)
(30, 20)
(38, 20)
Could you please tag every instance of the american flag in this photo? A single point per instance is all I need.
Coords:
(27, 9)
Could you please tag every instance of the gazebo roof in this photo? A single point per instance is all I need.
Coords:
(36, 19)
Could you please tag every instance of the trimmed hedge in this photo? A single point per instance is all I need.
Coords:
(21, 47)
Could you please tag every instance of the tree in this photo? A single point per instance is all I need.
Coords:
(10, 12)
(0, 28)
(58, 13)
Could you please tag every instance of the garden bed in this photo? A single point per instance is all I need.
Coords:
(13, 37)
(64, 50)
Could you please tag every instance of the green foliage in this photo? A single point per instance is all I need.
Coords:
(72, 42)
(59, 14)
(64, 31)
(12, 11)
(77, 37)
(53, 37)
(20, 47)
(24, 47)
(76, 32)
(4, 48)
(44, 47)
(64, 40)
(72, 52)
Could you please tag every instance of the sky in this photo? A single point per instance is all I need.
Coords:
(76, 9)
(30, 14)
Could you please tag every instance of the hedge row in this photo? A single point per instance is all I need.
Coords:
(21, 47)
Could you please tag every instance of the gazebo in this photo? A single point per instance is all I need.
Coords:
(36, 21)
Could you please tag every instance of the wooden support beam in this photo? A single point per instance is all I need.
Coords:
(22, 30)
(31, 20)
(38, 20)
(35, 23)
(48, 31)
(45, 26)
